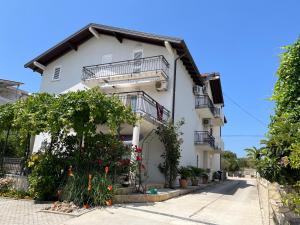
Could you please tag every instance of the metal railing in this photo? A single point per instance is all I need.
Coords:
(12, 165)
(204, 137)
(217, 112)
(204, 101)
(134, 66)
(142, 103)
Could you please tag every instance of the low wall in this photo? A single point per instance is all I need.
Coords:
(273, 211)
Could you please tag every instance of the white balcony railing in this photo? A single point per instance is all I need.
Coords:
(155, 66)
(144, 105)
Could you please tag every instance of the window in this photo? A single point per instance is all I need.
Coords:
(137, 56)
(56, 74)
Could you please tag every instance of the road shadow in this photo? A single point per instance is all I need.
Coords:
(227, 188)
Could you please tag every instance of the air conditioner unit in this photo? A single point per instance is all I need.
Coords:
(197, 90)
(161, 85)
(206, 122)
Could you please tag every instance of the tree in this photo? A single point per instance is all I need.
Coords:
(279, 158)
(229, 161)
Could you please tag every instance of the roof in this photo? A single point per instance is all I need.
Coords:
(215, 86)
(72, 42)
(9, 83)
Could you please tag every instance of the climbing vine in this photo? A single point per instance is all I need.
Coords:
(170, 136)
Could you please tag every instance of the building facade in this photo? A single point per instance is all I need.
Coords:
(155, 75)
(10, 92)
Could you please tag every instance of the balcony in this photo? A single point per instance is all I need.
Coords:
(219, 144)
(204, 140)
(145, 106)
(218, 119)
(204, 106)
(128, 72)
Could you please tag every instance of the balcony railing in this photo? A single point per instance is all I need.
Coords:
(204, 101)
(144, 105)
(128, 67)
(217, 112)
(204, 137)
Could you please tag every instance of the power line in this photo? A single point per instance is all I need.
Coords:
(243, 135)
(246, 111)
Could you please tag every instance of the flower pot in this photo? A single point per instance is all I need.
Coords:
(203, 180)
(195, 182)
(183, 183)
(109, 202)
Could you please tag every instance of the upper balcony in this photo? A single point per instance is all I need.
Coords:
(206, 109)
(145, 106)
(128, 72)
(204, 106)
(218, 117)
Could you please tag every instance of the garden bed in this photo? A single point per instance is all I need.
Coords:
(67, 208)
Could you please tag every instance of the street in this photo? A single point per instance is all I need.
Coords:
(234, 202)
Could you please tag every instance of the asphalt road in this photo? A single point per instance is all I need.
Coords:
(234, 202)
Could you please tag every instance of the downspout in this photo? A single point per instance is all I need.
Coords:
(174, 85)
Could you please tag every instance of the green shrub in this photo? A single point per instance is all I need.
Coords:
(46, 175)
(184, 172)
(195, 171)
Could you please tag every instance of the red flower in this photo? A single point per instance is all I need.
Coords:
(106, 170)
(110, 187)
(99, 161)
(138, 150)
(139, 158)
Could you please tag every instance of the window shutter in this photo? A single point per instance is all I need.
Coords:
(56, 74)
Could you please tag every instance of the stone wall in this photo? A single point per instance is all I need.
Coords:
(273, 211)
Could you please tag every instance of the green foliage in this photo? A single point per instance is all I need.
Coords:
(45, 177)
(229, 161)
(279, 158)
(77, 190)
(195, 172)
(170, 136)
(17, 194)
(185, 172)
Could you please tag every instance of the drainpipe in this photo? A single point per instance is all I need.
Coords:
(174, 85)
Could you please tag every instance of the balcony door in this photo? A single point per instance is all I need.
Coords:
(137, 63)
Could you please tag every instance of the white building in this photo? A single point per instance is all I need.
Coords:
(141, 67)
(10, 92)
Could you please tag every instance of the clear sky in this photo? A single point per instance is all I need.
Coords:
(240, 39)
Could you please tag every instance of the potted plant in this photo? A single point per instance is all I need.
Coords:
(184, 175)
(204, 178)
(195, 174)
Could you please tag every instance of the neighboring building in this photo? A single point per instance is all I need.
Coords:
(10, 92)
(140, 68)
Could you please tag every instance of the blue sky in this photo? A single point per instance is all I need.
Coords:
(239, 39)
